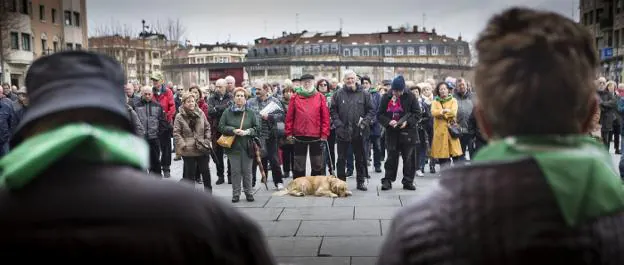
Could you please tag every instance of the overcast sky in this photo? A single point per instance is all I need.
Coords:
(209, 21)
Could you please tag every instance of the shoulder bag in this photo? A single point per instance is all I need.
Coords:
(226, 141)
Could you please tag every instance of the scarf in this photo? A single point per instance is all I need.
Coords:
(79, 142)
(191, 116)
(577, 168)
(444, 100)
(395, 108)
(235, 109)
(306, 93)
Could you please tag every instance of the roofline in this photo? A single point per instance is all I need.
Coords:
(314, 63)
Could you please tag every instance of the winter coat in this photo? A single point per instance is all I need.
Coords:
(464, 109)
(152, 119)
(375, 127)
(268, 128)
(230, 121)
(492, 213)
(216, 106)
(608, 108)
(136, 123)
(6, 123)
(443, 145)
(307, 116)
(396, 136)
(186, 137)
(347, 108)
(113, 214)
(165, 98)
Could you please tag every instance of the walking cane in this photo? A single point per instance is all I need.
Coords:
(331, 161)
(259, 161)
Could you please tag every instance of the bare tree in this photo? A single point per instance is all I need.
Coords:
(474, 56)
(116, 40)
(174, 30)
(9, 21)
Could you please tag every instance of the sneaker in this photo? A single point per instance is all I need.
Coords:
(280, 186)
(361, 186)
(220, 181)
(386, 185)
(409, 186)
(249, 197)
(235, 199)
(167, 174)
(378, 169)
(419, 173)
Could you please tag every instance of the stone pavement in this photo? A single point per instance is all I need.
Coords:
(321, 231)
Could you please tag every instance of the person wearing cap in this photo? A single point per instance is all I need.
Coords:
(74, 188)
(8, 122)
(352, 113)
(153, 120)
(296, 82)
(375, 128)
(217, 104)
(164, 96)
(398, 113)
(20, 105)
(307, 125)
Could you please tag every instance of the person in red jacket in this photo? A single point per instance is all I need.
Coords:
(164, 96)
(307, 123)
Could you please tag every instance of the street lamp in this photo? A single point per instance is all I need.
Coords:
(143, 36)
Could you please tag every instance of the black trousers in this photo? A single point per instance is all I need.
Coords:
(272, 156)
(218, 151)
(154, 153)
(606, 140)
(467, 145)
(288, 157)
(191, 166)
(302, 144)
(165, 149)
(406, 151)
(357, 142)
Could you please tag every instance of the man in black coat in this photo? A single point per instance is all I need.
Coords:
(398, 113)
(83, 196)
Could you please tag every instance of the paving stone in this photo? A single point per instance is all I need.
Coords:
(363, 260)
(375, 212)
(369, 201)
(279, 228)
(259, 201)
(351, 246)
(262, 214)
(314, 260)
(292, 202)
(385, 227)
(340, 228)
(317, 213)
(295, 246)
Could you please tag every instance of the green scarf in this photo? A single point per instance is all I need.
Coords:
(80, 142)
(300, 91)
(444, 100)
(578, 169)
(373, 90)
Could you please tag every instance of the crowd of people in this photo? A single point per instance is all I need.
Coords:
(74, 184)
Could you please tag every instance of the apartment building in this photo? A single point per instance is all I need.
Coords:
(37, 28)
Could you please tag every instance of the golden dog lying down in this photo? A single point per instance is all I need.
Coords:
(328, 186)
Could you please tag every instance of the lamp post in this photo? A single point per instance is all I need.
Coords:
(143, 36)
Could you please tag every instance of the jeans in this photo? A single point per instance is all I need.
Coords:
(376, 146)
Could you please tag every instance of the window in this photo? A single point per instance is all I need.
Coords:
(410, 51)
(13, 6)
(388, 51)
(325, 49)
(14, 41)
(78, 46)
(255, 53)
(69, 46)
(375, 52)
(365, 52)
(346, 52)
(285, 50)
(460, 50)
(55, 46)
(68, 18)
(155, 55)
(41, 12)
(334, 49)
(447, 50)
(298, 51)
(422, 50)
(434, 50)
(306, 50)
(53, 15)
(316, 50)
(26, 42)
(44, 46)
(399, 51)
(356, 52)
(76, 19)
(24, 7)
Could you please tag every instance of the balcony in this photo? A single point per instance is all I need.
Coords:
(606, 24)
(20, 57)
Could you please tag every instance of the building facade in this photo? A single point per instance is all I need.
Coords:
(37, 28)
(140, 57)
(605, 20)
(413, 45)
(202, 54)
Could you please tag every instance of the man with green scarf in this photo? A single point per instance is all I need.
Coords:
(542, 191)
(74, 188)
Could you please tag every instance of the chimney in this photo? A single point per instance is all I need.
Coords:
(415, 28)
(459, 38)
(284, 34)
(424, 29)
(433, 31)
(402, 29)
(389, 29)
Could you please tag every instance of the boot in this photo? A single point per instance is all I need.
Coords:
(166, 173)
(220, 181)
(249, 197)
(361, 186)
(386, 185)
(432, 168)
(177, 158)
(409, 186)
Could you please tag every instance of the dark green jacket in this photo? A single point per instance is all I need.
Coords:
(231, 121)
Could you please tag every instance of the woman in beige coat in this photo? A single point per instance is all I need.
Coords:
(191, 132)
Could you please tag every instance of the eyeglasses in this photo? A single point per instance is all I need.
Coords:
(323, 84)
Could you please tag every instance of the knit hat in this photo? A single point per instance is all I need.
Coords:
(398, 83)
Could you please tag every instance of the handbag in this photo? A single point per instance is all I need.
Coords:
(201, 146)
(226, 141)
(454, 129)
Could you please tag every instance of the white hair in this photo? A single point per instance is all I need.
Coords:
(602, 80)
(288, 83)
(258, 83)
(349, 73)
(230, 78)
(221, 82)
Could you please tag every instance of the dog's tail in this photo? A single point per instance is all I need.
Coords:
(281, 192)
